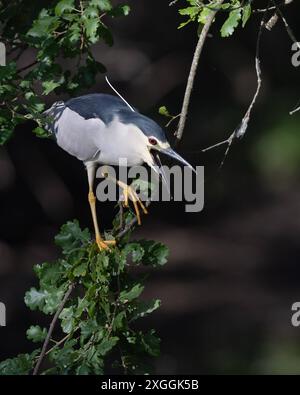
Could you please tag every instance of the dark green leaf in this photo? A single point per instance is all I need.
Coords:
(156, 253)
(21, 365)
(71, 237)
(106, 345)
(36, 333)
(67, 319)
(63, 6)
(128, 295)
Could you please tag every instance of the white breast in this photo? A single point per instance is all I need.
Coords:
(120, 141)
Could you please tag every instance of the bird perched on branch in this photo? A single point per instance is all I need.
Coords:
(104, 129)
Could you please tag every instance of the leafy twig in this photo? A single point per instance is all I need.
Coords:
(51, 328)
(193, 70)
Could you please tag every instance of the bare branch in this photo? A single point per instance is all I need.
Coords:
(294, 111)
(283, 3)
(27, 66)
(287, 26)
(193, 70)
(51, 328)
(240, 131)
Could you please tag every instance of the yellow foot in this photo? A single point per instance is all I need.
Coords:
(130, 193)
(104, 244)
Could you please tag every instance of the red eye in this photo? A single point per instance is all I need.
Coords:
(152, 141)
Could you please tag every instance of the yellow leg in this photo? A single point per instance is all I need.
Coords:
(102, 244)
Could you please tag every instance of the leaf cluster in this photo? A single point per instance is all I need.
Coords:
(236, 12)
(55, 31)
(98, 324)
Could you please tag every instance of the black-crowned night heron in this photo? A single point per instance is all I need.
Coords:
(104, 129)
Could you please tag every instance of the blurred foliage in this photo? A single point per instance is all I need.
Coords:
(56, 29)
(98, 320)
(276, 153)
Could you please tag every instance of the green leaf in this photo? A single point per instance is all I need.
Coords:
(164, 111)
(5, 134)
(67, 319)
(106, 345)
(53, 299)
(65, 357)
(91, 27)
(231, 23)
(190, 11)
(133, 293)
(35, 299)
(88, 327)
(136, 251)
(183, 24)
(120, 10)
(205, 13)
(43, 25)
(144, 308)
(151, 343)
(49, 274)
(246, 14)
(118, 322)
(91, 12)
(21, 365)
(63, 6)
(80, 270)
(72, 237)
(103, 5)
(156, 253)
(41, 133)
(36, 333)
(83, 370)
(44, 300)
(49, 86)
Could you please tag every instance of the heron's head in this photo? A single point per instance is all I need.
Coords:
(153, 138)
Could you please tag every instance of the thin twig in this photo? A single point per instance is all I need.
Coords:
(27, 67)
(294, 111)
(282, 4)
(131, 224)
(193, 70)
(57, 344)
(287, 26)
(240, 131)
(51, 328)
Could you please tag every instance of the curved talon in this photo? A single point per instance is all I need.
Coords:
(104, 244)
(129, 192)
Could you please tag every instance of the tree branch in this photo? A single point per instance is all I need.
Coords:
(282, 4)
(27, 66)
(240, 131)
(51, 328)
(193, 70)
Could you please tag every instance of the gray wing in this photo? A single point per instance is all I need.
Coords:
(74, 133)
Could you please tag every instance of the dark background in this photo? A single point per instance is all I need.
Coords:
(234, 268)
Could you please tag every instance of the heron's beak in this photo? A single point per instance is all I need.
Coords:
(170, 152)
